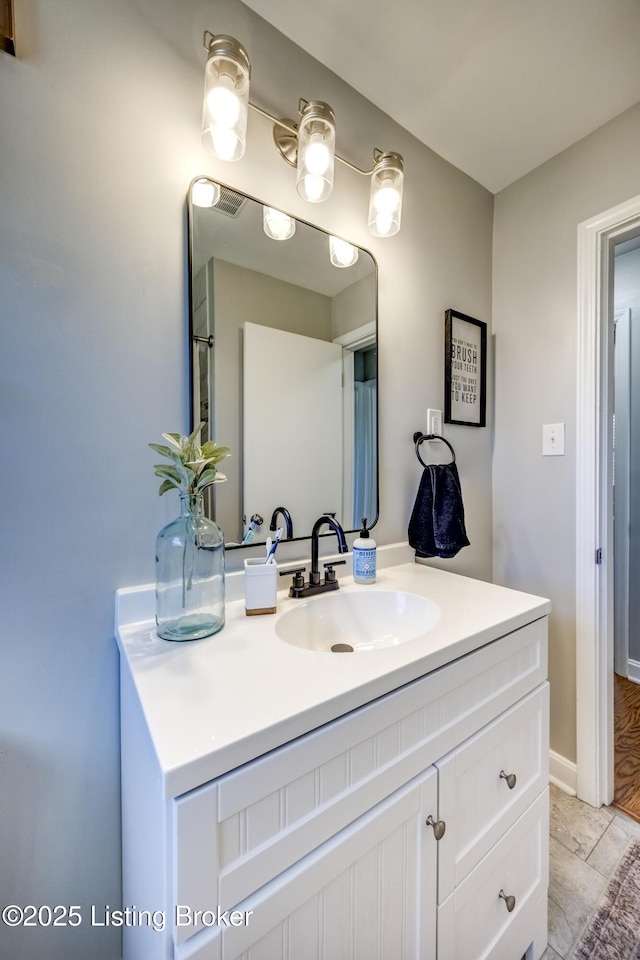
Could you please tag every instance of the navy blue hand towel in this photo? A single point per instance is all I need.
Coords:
(436, 527)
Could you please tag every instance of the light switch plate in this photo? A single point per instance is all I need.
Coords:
(434, 421)
(553, 440)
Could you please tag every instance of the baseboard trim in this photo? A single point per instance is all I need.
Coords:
(562, 773)
(633, 667)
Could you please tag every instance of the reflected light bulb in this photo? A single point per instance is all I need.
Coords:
(342, 253)
(204, 193)
(278, 225)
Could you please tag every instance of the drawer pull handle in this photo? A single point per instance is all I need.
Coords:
(439, 827)
(511, 781)
(509, 900)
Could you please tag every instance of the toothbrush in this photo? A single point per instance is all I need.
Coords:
(256, 521)
(273, 546)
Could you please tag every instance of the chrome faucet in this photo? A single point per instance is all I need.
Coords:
(288, 523)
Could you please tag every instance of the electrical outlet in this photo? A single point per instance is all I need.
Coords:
(434, 421)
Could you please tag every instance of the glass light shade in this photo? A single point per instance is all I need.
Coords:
(205, 193)
(385, 202)
(342, 253)
(316, 151)
(277, 225)
(226, 98)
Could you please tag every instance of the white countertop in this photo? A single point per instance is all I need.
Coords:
(213, 704)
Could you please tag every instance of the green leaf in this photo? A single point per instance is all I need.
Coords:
(186, 476)
(207, 477)
(196, 465)
(214, 453)
(191, 439)
(164, 470)
(163, 451)
(167, 485)
(173, 438)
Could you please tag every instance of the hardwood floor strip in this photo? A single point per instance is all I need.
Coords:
(627, 746)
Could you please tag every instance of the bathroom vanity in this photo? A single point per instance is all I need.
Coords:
(284, 802)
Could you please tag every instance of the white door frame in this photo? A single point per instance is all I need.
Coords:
(594, 527)
(621, 487)
(364, 336)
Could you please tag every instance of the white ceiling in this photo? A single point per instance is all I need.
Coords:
(494, 86)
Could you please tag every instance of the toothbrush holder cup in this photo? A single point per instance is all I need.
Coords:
(260, 586)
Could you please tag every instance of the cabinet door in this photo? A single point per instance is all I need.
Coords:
(368, 892)
(500, 908)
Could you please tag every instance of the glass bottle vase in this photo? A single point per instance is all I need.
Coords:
(190, 574)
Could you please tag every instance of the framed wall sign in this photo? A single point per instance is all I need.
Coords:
(465, 370)
(7, 38)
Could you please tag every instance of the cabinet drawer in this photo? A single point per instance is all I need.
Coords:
(474, 922)
(253, 823)
(475, 800)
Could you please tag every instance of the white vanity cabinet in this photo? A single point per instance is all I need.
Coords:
(325, 847)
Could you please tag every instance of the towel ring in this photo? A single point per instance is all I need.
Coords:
(419, 437)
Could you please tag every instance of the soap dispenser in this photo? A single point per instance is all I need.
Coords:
(364, 556)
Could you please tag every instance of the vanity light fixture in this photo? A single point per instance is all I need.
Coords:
(277, 225)
(308, 145)
(342, 253)
(226, 97)
(385, 199)
(316, 150)
(205, 193)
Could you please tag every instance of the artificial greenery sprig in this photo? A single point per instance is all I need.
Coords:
(193, 467)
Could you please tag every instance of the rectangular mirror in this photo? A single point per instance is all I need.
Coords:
(283, 333)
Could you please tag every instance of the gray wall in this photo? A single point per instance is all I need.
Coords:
(627, 295)
(535, 328)
(100, 121)
(353, 307)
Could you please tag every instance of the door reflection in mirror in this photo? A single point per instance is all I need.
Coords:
(284, 370)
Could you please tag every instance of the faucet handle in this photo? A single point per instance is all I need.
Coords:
(329, 572)
(298, 580)
(289, 573)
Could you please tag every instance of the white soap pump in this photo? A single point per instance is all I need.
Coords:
(364, 556)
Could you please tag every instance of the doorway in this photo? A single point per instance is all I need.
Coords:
(594, 500)
(626, 524)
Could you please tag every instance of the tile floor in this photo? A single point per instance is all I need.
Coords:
(586, 846)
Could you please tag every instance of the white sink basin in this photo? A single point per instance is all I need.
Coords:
(360, 621)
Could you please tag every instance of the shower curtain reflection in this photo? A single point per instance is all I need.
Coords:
(365, 492)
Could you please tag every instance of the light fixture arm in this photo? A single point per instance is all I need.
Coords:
(286, 137)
